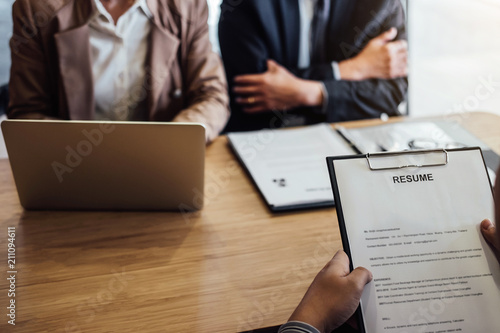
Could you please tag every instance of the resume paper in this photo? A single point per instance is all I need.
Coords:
(288, 165)
(417, 231)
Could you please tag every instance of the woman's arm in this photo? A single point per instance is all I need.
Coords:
(29, 86)
(207, 95)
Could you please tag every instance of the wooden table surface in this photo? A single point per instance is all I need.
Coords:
(233, 266)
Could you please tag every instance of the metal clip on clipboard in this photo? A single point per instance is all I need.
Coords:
(407, 159)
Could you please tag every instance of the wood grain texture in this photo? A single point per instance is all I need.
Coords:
(233, 266)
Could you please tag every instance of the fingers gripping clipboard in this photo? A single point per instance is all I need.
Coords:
(412, 219)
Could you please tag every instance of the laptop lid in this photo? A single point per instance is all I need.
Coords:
(90, 165)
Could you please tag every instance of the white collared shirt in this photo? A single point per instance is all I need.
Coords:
(306, 9)
(118, 54)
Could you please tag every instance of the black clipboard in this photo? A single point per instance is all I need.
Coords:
(370, 158)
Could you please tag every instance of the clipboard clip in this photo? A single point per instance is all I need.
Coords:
(371, 159)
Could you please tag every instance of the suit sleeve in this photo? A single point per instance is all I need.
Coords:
(243, 47)
(29, 84)
(244, 50)
(351, 100)
(207, 97)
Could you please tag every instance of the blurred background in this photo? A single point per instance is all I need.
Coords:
(455, 56)
(454, 49)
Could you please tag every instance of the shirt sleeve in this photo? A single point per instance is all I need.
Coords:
(336, 71)
(297, 327)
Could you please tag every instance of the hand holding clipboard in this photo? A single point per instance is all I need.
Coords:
(411, 219)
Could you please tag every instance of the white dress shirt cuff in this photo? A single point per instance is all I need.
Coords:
(336, 71)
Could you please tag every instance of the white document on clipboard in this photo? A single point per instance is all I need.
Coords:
(288, 166)
(413, 220)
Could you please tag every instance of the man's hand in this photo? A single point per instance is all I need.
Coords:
(489, 232)
(382, 58)
(276, 89)
(333, 296)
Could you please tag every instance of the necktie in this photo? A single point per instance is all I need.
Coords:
(318, 31)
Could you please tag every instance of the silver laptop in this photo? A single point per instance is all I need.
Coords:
(88, 165)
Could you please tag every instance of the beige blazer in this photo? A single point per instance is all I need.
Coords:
(51, 74)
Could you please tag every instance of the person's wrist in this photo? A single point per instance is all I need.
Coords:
(310, 93)
(308, 318)
(351, 70)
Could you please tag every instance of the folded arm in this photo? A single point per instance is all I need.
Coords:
(373, 80)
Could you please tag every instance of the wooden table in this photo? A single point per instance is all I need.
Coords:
(233, 266)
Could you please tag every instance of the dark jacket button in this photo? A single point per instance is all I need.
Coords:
(177, 93)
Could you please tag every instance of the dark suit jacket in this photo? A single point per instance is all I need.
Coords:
(51, 74)
(252, 31)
